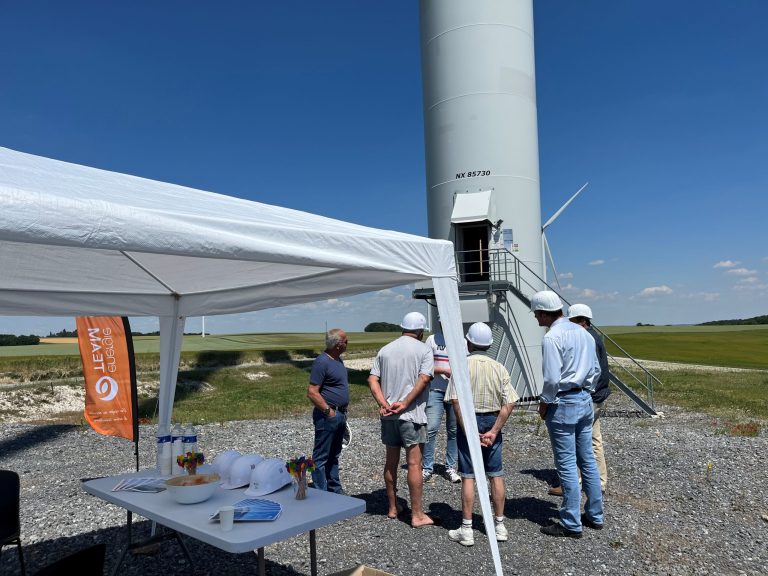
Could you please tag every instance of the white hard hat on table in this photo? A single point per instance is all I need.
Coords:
(223, 462)
(268, 476)
(240, 471)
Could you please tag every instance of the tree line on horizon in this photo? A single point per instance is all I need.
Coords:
(382, 327)
(738, 322)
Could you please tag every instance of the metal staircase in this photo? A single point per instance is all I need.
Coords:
(503, 273)
(504, 266)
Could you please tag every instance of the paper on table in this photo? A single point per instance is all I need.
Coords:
(140, 485)
(254, 510)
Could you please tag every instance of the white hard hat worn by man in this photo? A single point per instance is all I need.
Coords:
(581, 314)
(414, 321)
(579, 311)
(399, 382)
(546, 301)
(493, 399)
(570, 371)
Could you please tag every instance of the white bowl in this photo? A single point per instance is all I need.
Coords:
(192, 489)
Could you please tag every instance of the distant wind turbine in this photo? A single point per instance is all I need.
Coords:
(545, 245)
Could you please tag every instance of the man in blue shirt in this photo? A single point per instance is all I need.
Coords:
(570, 373)
(329, 392)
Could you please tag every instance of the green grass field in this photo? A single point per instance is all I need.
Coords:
(710, 345)
(250, 376)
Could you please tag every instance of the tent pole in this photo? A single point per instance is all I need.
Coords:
(447, 295)
(171, 335)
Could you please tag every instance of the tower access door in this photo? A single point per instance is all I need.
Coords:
(471, 220)
(472, 252)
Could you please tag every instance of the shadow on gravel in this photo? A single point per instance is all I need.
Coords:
(548, 475)
(536, 510)
(33, 437)
(376, 504)
(165, 558)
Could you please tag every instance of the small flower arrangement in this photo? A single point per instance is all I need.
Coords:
(190, 461)
(298, 468)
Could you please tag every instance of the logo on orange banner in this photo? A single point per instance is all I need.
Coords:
(106, 348)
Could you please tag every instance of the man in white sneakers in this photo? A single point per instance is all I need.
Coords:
(494, 399)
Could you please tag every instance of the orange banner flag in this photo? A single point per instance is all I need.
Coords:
(106, 348)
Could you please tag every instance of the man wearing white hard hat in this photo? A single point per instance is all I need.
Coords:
(494, 399)
(581, 314)
(571, 371)
(399, 382)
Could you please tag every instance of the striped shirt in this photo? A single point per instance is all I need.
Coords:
(490, 383)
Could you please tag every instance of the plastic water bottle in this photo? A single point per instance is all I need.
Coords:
(190, 438)
(177, 434)
(163, 450)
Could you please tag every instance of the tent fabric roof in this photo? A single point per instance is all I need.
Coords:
(81, 241)
(99, 242)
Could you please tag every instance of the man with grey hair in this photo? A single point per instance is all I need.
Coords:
(399, 382)
(329, 393)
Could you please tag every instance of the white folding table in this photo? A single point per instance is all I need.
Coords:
(298, 516)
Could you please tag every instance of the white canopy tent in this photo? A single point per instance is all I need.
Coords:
(78, 241)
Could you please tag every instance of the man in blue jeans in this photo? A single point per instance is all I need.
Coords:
(571, 370)
(329, 392)
(436, 407)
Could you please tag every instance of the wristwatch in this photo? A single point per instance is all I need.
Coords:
(327, 410)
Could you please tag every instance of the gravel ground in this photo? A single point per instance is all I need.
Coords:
(682, 499)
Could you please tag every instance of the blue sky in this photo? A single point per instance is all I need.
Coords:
(661, 106)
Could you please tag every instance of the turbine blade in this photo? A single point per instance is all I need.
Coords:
(551, 260)
(563, 207)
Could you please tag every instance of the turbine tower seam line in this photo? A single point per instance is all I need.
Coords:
(477, 25)
(520, 95)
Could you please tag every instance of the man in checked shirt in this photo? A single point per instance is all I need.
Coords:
(494, 399)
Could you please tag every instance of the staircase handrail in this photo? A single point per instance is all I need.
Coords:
(494, 256)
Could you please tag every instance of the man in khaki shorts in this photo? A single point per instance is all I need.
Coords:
(399, 383)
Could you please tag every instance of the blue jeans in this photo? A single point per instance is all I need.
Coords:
(329, 433)
(491, 454)
(570, 431)
(435, 409)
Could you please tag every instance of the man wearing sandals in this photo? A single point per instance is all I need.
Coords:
(399, 383)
